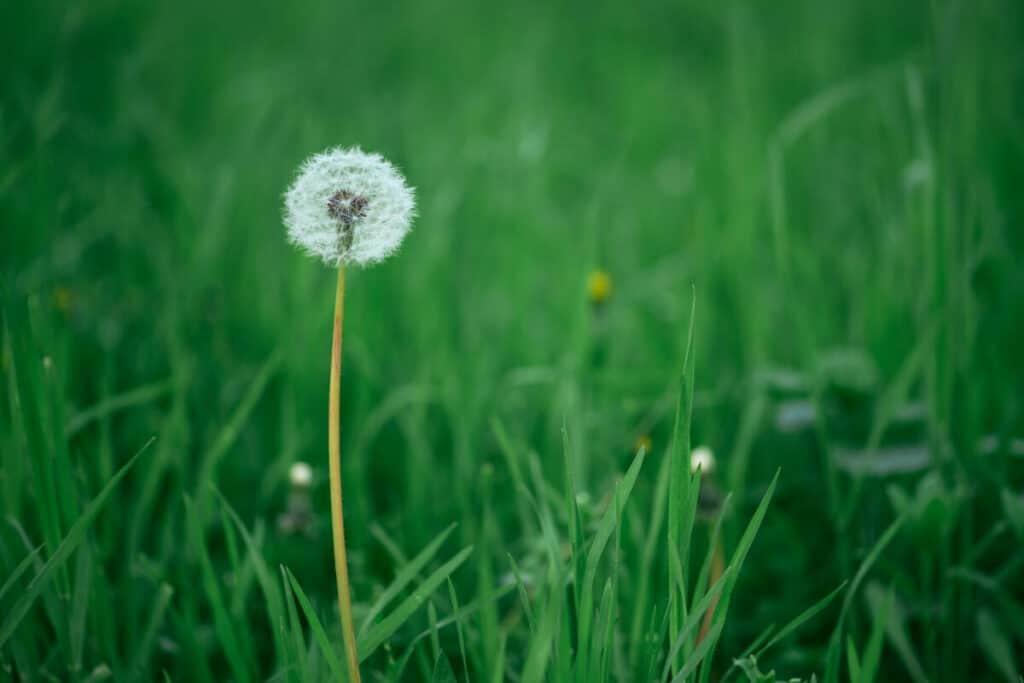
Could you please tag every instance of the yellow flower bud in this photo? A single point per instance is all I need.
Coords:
(599, 286)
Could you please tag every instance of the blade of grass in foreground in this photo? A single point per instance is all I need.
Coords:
(404, 576)
(145, 643)
(18, 571)
(871, 658)
(467, 610)
(652, 544)
(804, 616)
(758, 649)
(298, 644)
(458, 627)
(691, 622)
(700, 653)
(538, 648)
(524, 597)
(443, 670)
(601, 649)
(832, 658)
(896, 631)
(996, 646)
(222, 623)
(377, 634)
(80, 605)
(319, 634)
(736, 565)
(70, 542)
(602, 535)
(681, 496)
(275, 607)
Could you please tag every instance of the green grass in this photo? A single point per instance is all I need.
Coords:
(824, 194)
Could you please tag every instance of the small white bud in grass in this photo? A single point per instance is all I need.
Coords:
(300, 475)
(703, 458)
(348, 207)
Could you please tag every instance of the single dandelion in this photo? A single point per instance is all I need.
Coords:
(704, 459)
(346, 207)
(298, 517)
(642, 442)
(300, 475)
(709, 503)
(599, 286)
(710, 500)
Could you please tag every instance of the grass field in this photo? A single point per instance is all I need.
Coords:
(828, 194)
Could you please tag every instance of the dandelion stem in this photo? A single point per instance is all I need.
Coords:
(337, 512)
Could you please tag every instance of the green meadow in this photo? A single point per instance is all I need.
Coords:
(788, 232)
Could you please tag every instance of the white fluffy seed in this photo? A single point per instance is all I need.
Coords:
(703, 458)
(353, 233)
(300, 475)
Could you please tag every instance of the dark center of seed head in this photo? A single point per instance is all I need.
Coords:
(346, 207)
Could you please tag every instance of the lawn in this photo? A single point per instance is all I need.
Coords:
(789, 232)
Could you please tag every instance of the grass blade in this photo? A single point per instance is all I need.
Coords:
(692, 619)
(403, 577)
(379, 633)
(227, 435)
(801, 618)
(832, 658)
(538, 649)
(298, 640)
(156, 617)
(736, 564)
(458, 627)
(681, 497)
(223, 626)
(996, 646)
(602, 535)
(319, 634)
(872, 656)
(80, 605)
(113, 404)
(70, 542)
(700, 653)
(896, 629)
(275, 608)
(18, 571)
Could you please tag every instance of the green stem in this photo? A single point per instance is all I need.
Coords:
(337, 510)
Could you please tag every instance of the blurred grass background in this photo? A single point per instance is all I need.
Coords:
(838, 182)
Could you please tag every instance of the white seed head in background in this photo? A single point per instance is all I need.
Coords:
(703, 458)
(348, 207)
(300, 475)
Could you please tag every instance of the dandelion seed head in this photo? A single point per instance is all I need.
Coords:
(300, 475)
(348, 207)
(703, 458)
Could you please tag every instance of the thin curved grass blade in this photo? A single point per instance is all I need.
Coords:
(70, 542)
(319, 634)
(380, 632)
(404, 577)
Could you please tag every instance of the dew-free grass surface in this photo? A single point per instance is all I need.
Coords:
(833, 187)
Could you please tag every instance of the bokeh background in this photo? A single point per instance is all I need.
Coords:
(834, 187)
